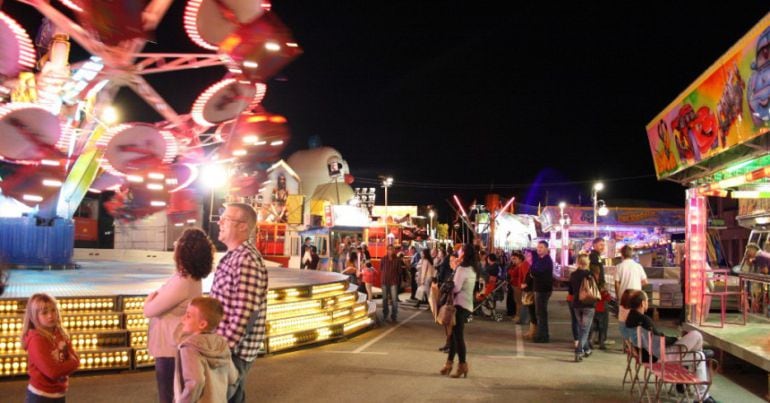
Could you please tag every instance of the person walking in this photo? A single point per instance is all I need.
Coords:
(542, 272)
(584, 310)
(464, 281)
(240, 284)
(165, 307)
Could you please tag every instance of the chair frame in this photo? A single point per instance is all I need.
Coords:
(709, 291)
(681, 370)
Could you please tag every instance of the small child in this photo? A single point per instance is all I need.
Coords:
(50, 356)
(204, 367)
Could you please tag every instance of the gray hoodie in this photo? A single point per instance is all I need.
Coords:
(204, 369)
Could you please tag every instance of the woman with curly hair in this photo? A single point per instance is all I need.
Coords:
(194, 258)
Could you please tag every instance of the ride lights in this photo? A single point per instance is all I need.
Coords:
(293, 309)
(10, 325)
(87, 304)
(104, 359)
(91, 322)
(16, 365)
(356, 325)
(142, 358)
(10, 306)
(137, 321)
(133, 303)
(138, 339)
(327, 288)
(299, 323)
(10, 345)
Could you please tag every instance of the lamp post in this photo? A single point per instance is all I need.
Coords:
(598, 187)
(431, 213)
(386, 183)
(564, 223)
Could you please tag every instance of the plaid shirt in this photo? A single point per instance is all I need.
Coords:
(240, 284)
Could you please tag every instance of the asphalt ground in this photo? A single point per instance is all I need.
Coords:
(400, 362)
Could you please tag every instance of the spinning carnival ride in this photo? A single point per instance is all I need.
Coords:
(57, 144)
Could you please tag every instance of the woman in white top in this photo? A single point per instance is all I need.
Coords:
(464, 280)
(194, 258)
(426, 275)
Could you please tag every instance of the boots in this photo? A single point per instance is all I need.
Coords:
(531, 333)
(462, 370)
(447, 368)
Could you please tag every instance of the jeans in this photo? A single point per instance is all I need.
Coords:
(237, 392)
(164, 376)
(541, 309)
(585, 316)
(601, 321)
(457, 346)
(389, 296)
(573, 322)
(510, 301)
(33, 398)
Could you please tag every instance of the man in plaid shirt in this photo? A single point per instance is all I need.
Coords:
(240, 284)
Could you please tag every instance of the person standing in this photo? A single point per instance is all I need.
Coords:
(390, 271)
(165, 307)
(240, 284)
(464, 282)
(599, 245)
(629, 275)
(584, 310)
(542, 272)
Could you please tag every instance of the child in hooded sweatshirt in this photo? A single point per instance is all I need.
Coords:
(204, 367)
(50, 356)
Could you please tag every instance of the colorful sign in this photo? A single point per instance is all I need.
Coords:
(727, 105)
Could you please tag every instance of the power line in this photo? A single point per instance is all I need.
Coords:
(476, 186)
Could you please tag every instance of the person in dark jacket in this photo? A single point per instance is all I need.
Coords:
(584, 310)
(542, 272)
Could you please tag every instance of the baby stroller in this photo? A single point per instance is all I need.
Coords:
(492, 291)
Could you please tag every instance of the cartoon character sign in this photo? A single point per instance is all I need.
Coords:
(665, 159)
(730, 105)
(759, 83)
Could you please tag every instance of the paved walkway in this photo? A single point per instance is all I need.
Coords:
(400, 362)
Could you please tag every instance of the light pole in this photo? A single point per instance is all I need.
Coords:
(598, 187)
(386, 183)
(564, 223)
(431, 213)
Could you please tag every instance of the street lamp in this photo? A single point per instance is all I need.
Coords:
(564, 223)
(598, 187)
(431, 213)
(386, 183)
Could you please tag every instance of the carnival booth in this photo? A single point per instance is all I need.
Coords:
(650, 231)
(714, 139)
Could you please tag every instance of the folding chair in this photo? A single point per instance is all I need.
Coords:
(683, 369)
(711, 290)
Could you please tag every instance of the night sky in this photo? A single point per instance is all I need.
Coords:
(472, 97)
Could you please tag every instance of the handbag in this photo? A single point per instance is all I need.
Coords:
(446, 315)
(589, 292)
(527, 297)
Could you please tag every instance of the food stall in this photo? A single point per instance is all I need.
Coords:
(713, 138)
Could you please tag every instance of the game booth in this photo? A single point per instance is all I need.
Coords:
(714, 139)
(652, 232)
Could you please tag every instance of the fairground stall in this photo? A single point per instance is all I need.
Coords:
(652, 232)
(714, 139)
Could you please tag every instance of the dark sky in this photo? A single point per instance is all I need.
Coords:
(470, 97)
